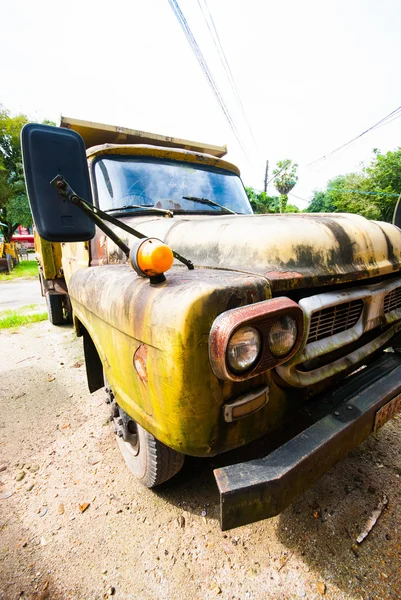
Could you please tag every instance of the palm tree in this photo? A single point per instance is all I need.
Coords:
(285, 179)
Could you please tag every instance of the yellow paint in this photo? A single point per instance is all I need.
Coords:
(11, 249)
(49, 256)
(181, 403)
(178, 399)
(293, 250)
(75, 256)
(99, 133)
(166, 154)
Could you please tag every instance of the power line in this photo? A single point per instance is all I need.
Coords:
(395, 114)
(287, 163)
(206, 71)
(362, 192)
(223, 58)
(298, 197)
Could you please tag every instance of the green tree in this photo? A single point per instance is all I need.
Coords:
(263, 204)
(345, 193)
(384, 174)
(285, 179)
(352, 193)
(291, 208)
(321, 202)
(14, 206)
(372, 192)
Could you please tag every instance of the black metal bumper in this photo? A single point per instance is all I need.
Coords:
(342, 419)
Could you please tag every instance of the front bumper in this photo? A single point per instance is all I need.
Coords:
(342, 419)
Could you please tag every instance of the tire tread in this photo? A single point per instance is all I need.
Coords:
(55, 309)
(163, 462)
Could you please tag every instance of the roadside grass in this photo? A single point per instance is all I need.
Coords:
(26, 269)
(21, 316)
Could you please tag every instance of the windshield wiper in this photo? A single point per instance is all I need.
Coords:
(209, 203)
(164, 211)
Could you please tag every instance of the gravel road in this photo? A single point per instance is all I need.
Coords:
(75, 524)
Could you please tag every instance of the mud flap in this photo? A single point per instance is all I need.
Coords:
(94, 367)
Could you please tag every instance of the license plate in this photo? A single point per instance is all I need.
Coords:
(387, 412)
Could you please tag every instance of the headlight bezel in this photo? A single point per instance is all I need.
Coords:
(261, 316)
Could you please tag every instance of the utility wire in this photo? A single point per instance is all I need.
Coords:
(383, 121)
(361, 192)
(397, 116)
(298, 197)
(287, 163)
(223, 58)
(206, 71)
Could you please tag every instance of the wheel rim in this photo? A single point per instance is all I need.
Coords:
(132, 443)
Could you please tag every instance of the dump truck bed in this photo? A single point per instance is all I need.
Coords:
(95, 134)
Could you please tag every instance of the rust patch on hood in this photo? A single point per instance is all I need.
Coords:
(98, 249)
(284, 275)
(293, 251)
(140, 359)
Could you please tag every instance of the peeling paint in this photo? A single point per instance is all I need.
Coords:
(292, 251)
(153, 340)
(166, 154)
(140, 358)
(180, 404)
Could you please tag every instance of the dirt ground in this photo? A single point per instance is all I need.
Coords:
(75, 524)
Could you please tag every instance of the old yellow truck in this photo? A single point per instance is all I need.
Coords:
(211, 326)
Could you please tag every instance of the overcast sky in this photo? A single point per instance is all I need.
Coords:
(311, 74)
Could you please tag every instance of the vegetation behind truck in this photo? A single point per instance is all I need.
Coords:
(261, 321)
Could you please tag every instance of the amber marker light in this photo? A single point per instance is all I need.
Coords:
(151, 258)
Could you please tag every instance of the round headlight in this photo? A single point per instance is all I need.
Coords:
(243, 348)
(282, 336)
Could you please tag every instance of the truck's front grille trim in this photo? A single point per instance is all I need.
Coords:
(338, 320)
(392, 300)
(334, 319)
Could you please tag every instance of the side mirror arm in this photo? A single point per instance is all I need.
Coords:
(99, 216)
(65, 189)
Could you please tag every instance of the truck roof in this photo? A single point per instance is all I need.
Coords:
(163, 153)
(95, 134)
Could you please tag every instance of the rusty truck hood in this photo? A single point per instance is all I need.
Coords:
(292, 250)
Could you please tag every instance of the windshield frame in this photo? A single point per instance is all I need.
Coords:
(150, 159)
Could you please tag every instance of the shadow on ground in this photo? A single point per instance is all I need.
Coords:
(321, 527)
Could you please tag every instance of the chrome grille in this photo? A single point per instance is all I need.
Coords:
(331, 320)
(392, 300)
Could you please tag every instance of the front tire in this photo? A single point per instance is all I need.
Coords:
(149, 460)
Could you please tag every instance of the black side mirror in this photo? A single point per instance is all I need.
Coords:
(47, 152)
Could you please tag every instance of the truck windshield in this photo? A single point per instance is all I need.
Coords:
(127, 181)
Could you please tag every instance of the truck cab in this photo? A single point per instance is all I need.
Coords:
(279, 319)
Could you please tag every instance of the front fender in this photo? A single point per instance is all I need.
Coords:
(173, 392)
